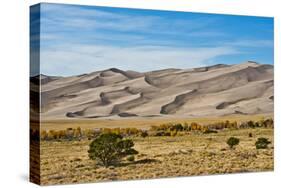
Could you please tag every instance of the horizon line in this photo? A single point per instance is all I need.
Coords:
(111, 68)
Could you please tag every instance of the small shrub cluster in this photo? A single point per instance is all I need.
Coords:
(168, 129)
(171, 129)
(264, 123)
(144, 134)
(69, 133)
(262, 143)
(78, 133)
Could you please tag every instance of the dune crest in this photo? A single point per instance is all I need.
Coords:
(217, 90)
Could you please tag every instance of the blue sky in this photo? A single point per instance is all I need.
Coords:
(80, 39)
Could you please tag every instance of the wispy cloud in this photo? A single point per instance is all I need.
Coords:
(79, 39)
(87, 58)
(72, 19)
(251, 43)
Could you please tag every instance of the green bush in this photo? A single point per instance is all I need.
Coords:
(262, 143)
(131, 158)
(110, 148)
(232, 141)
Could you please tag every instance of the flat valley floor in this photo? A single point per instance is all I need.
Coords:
(65, 162)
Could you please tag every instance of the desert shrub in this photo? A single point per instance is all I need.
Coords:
(173, 133)
(261, 123)
(262, 143)
(199, 127)
(232, 141)
(78, 132)
(227, 124)
(159, 133)
(269, 123)
(61, 134)
(177, 127)
(194, 126)
(164, 127)
(243, 125)
(205, 128)
(134, 131)
(144, 134)
(70, 133)
(167, 133)
(186, 127)
(251, 124)
(234, 125)
(131, 158)
(250, 135)
(110, 148)
(257, 124)
(208, 131)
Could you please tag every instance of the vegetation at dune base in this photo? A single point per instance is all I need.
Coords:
(165, 129)
(110, 148)
(232, 141)
(262, 143)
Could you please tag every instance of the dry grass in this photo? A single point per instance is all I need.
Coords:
(194, 154)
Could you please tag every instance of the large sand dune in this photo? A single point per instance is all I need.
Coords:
(217, 90)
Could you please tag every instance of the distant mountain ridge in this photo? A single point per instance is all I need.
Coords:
(215, 90)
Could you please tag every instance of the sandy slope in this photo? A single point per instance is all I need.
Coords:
(217, 90)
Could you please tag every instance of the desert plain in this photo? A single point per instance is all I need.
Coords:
(241, 96)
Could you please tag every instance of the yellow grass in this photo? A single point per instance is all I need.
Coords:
(193, 154)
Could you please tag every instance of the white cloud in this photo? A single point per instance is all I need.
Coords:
(251, 43)
(78, 59)
(77, 40)
(67, 18)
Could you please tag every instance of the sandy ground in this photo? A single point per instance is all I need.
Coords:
(67, 162)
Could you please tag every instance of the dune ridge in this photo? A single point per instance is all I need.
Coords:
(216, 90)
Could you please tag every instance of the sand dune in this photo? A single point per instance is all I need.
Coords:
(216, 90)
